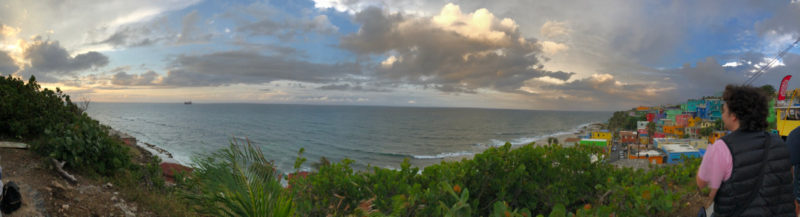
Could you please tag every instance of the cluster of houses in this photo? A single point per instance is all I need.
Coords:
(675, 132)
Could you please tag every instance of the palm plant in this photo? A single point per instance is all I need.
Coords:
(239, 181)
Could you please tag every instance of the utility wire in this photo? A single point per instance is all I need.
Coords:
(764, 67)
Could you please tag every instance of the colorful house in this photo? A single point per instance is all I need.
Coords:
(642, 108)
(644, 140)
(670, 129)
(628, 137)
(641, 125)
(694, 121)
(675, 151)
(572, 141)
(659, 135)
(714, 108)
(651, 117)
(602, 135)
(682, 120)
(672, 113)
(652, 156)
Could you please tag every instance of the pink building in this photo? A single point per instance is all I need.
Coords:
(682, 120)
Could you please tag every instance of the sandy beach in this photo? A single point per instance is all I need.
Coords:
(543, 141)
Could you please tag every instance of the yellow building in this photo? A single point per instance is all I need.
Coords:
(602, 135)
(694, 121)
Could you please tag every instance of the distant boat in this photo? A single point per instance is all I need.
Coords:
(187, 102)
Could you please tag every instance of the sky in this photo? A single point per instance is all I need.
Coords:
(543, 55)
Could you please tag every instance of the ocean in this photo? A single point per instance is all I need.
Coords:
(370, 135)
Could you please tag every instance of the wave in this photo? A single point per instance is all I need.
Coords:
(528, 140)
(444, 155)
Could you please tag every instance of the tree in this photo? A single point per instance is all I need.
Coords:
(769, 90)
(651, 129)
(552, 140)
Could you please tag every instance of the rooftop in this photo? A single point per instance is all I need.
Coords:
(678, 148)
(648, 152)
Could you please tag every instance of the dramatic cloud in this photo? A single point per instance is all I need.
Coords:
(452, 51)
(122, 78)
(244, 67)
(7, 65)
(48, 56)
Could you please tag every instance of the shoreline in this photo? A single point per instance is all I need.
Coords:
(582, 130)
(562, 137)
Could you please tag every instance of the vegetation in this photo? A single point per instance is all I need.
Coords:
(498, 182)
(238, 181)
(620, 120)
(58, 128)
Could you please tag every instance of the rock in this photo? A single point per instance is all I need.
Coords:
(108, 185)
(65, 206)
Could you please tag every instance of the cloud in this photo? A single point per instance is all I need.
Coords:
(550, 47)
(254, 22)
(246, 67)
(122, 78)
(786, 20)
(48, 60)
(192, 31)
(348, 87)
(138, 35)
(7, 65)
(78, 24)
(452, 51)
(7, 31)
(554, 29)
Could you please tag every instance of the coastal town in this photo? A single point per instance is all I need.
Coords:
(664, 134)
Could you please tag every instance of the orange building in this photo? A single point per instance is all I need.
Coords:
(652, 156)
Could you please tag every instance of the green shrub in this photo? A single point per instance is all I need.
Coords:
(84, 143)
(529, 179)
(26, 111)
(57, 127)
(238, 181)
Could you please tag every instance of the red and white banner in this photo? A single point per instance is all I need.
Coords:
(782, 89)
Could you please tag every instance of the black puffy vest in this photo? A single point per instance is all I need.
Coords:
(774, 197)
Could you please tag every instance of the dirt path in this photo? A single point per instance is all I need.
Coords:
(45, 193)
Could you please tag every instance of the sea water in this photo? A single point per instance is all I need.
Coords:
(370, 135)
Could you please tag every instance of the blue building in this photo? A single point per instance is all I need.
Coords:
(675, 151)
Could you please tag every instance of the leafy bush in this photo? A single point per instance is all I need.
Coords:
(518, 182)
(57, 127)
(26, 111)
(85, 144)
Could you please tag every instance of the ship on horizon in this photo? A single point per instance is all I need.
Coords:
(187, 102)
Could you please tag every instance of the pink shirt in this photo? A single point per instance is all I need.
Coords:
(717, 164)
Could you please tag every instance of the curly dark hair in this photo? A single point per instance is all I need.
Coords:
(749, 104)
